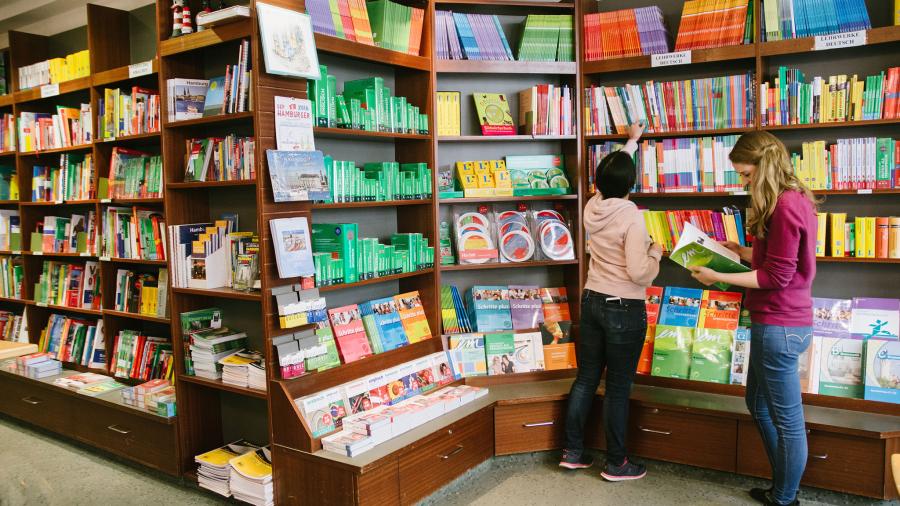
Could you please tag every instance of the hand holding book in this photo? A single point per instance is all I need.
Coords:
(705, 257)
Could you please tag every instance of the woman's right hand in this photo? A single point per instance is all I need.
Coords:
(744, 252)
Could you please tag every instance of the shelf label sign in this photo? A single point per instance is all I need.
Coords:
(669, 59)
(49, 90)
(839, 40)
(864, 191)
(140, 69)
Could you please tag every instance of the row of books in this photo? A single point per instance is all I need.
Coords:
(695, 104)
(244, 368)
(156, 396)
(10, 230)
(142, 293)
(347, 19)
(326, 411)
(707, 24)
(228, 94)
(68, 284)
(240, 469)
(788, 19)
(73, 179)
(448, 108)
(375, 181)
(229, 158)
(790, 100)
(8, 132)
(69, 127)
(58, 234)
(547, 109)
(207, 341)
(121, 114)
(396, 26)
(547, 37)
(133, 233)
(9, 183)
(698, 164)
(55, 70)
(464, 36)
(13, 327)
(75, 340)
(849, 164)
(860, 237)
(666, 227)
(365, 104)
(12, 275)
(202, 252)
(140, 356)
(625, 32)
(134, 175)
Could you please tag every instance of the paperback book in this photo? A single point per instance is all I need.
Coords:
(695, 248)
(672, 351)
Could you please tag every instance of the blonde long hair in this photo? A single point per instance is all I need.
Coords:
(773, 175)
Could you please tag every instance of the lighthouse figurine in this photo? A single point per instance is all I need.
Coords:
(187, 23)
(177, 6)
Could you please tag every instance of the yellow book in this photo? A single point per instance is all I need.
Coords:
(841, 111)
(822, 177)
(254, 465)
(894, 237)
(821, 229)
(838, 241)
(730, 228)
(293, 320)
(870, 236)
(859, 244)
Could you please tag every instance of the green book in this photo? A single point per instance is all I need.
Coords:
(711, 355)
(368, 91)
(672, 351)
(695, 248)
(341, 240)
(331, 358)
(331, 97)
(499, 350)
(320, 91)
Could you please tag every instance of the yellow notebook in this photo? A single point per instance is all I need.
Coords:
(255, 465)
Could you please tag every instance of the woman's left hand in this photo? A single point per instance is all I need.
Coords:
(704, 275)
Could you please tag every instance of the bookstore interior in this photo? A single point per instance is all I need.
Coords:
(332, 251)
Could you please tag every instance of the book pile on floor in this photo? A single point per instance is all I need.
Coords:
(214, 472)
(251, 477)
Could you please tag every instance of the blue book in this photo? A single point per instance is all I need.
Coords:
(298, 175)
(467, 37)
(506, 48)
(387, 322)
(215, 97)
(680, 306)
(489, 308)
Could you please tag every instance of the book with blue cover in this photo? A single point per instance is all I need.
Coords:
(488, 308)
(215, 97)
(298, 175)
(467, 355)
(680, 306)
(387, 324)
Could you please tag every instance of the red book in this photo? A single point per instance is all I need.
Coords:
(654, 299)
(349, 333)
(719, 310)
(347, 20)
(881, 236)
(73, 285)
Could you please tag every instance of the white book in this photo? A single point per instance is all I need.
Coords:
(293, 247)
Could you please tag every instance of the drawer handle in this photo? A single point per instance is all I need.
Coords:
(819, 457)
(34, 401)
(538, 424)
(458, 449)
(663, 432)
(654, 411)
(115, 428)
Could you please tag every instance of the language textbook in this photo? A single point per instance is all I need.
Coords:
(488, 308)
(383, 323)
(298, 175)
(882, 370)
(349, 333)
(672, 351)
(493, 114)
(740, 356)
(680, 306)
(711, 355)
(719, 310)
(840, 357)
(695, 248)
(467, 355)
(412, 316)
(525, 307)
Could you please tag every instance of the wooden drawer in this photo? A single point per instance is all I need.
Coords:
(685, 438)
(152, 443)
(36, 404)
(836, 461)
(529, 427)
(431, 462)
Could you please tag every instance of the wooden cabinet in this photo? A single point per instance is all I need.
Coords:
(439, 458)
(529, 427)
(687, 438)
(36, 404)
(841, 462)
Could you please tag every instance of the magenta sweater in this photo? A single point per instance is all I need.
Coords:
(785, 265)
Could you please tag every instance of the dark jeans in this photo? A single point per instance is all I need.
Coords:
(611, 338)
(775, 402)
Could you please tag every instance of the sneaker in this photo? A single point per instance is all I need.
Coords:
(759, 494)
(627, 471)
(770, 501)
(572, 459)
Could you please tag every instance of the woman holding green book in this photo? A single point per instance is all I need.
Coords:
(782, 219)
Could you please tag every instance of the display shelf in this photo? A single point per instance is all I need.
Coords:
(854, 260)
(9, 202)
(222, 293)
(120, 74)
(210, 120)
(86, 202)
(80, 310)
(207, 38)
(210, 184)
(130, 138)
(138, 261)
(718, 54)
(7, 100)
(225, 387)
(528, 198)
(365, 52)
(25, 302)
(499, 265)
(363, 205)
(504, 67)
(134, 201)
(58, 255)
(53, 151)
(833, 124)
(743, 193)
(347, 133)
(508, 3)
(11, 152)
(679, 133)
(71, 86)
(135, 316)
(505, 138)
(805, 45)
(373, 281)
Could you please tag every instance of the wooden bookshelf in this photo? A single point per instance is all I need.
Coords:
(54, 151)
(526, 198)
(383, 203)
(364, 52)
(346, 133)
(119, 74)
(66, 87)
(506, 138)
(209, 184)
(718, 54)
(209, 120)
(680, 133)
(225, 387)
(511, 265)
(373, 281)
(504, 67)
(529, 5)
(803, 45)
(216, 35)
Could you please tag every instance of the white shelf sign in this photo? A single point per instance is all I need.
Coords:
(839, 40)
(49, 90)
(140, 69)
(669, 59)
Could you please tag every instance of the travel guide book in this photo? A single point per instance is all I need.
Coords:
(349, 333)
(695, 248)
(298, 175)
(488, 308)
(525, 307)
(681, 306)
(493, 114)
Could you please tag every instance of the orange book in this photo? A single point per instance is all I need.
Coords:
(719, 310)
(559, 356)
(882, 231)
(894, 237)
(556, 305)
(645, 363)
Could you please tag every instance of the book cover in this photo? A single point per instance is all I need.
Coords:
(525, 307)
(645, 362)
(695, 248)
(188, 97)
(556, 304)
(412, 316)
(294, 124)
(293, 249)
(808, 366)
(488, 307)
(443, 368)
(681, 306)
(317, 412)
(529, 354)
(875, 318)
(499, 349)
(882, 370)
(378, 389)
(740, 356)
(493, 114)
(653, 302)
(672, 351)
(711, 355)
(349, 334)
(840, 367)
(831, 317)
(330, 358)
(719, 310)
(298, 175)
(215, 97)
(467, 355)
(357, 394)
(387, 322)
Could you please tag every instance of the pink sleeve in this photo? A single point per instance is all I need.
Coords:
(783, 244)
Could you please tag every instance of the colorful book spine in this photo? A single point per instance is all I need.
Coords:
(627, 32)
(712, 24)
(789, 19)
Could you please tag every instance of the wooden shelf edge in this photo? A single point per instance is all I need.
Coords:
(209, 120)
(219, 385)
(135, 316)
(506, 138)
(348, 133)
(504, 67)
(363, 205)
(119, 74)
(879, 35)
(373, 281)
(679, 133)
(519, 198)
(223, 293)
(210, 184)
(498, 265)
(365, 52)
(717, 54)
(209, 37)
(53, 151)
(71, 86)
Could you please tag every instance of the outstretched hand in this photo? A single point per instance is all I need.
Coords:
(635, 130)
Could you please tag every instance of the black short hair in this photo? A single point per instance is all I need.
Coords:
(615, 175)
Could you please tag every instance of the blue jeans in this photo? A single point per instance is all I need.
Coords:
(611, 338)
(775, 402)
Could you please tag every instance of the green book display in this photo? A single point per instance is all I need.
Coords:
(377, 181)
(672, 351)
(711, 355)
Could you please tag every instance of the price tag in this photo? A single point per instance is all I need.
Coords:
(38, 253)
(140, 69)
(84, 254)
(839, 40)
(864, 191)
(105, 201)
(669, 59)
(739, 192)
(59, 202)
(17, 252)
(49, 90)
(41, 304)
(104, 259)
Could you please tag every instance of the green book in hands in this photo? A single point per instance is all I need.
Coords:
(695, 248)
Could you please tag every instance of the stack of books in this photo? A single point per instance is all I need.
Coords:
(547, 38)
(68, 127)
(156, 396)
(133, 233)
(626, 32)
(471, 37)
(214, 472)
(73, 179)
(57, 234)
(236, 368)
(55, 70)
(860, 237)
(849, 164)
(788, 19)
(12, 325)
(74, 340)
(377, 181)
(142, 293)
(251, 477)
(347, 19)
(7, 132)
(134, 175)
(228, 158)
(396, 26)
(38, 365)
(547, 109)
(715, 24)
(122, 114)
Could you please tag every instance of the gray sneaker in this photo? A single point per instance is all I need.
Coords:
(627, 471)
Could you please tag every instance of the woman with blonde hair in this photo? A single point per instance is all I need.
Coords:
(782, 219)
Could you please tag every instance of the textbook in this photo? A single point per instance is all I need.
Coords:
(499, 349)
(740, 356)
(882, 368)
(298, 175)
(349, 333)
(467, 354)
(719, 310)
(672, 351)
(711, 355)
(680, 306)
(625, 32)
(695, 248)
(645, 362)
(384, 323)
(412, 316)
(489, 308)
(872, 318)
(493, 114)
(525, 307)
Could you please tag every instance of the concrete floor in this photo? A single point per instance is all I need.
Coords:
(40, 469)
